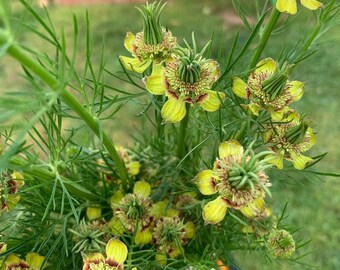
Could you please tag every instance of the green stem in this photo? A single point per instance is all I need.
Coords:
(274, 16)
(182, 132)
(243, 129)
(44, 174)
(26, 60)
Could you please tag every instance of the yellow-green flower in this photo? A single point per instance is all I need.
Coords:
(290, 6)
(9, 186)
(34, 261)
(268, 88)
(153, 45)
(170, 235)
(135, 208)
(239, 180)
(288, 140)
(281, 244)
(116, 253)
(188, 78)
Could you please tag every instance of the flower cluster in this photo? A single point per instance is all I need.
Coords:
(9, 186)
(33, 261)
(182, 74)
(239, 180)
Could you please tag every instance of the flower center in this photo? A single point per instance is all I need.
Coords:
(190, 71)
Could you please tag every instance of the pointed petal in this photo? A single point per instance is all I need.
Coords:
(230, 148)
(299, 161)
(267, 65)
(240, 88)
(311, 4)
(275, 159)
(296, 90)
(288, 6)
(116, 251)
(155, 83)
(134, 64)
(205, 182)
(128, 41)
(173, 110)
(215, 211)
(213, 101)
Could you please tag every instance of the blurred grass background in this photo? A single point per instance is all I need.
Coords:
(313, 206)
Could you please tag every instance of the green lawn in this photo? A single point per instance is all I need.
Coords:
(313, 207)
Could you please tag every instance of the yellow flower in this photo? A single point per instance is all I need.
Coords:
(33, 261)
(187, 78)
(268, 88)
(116, 253)
(239, 179)
(170, 234)
(290, 6)
(134, 208)
(153, 45)
(288, 140)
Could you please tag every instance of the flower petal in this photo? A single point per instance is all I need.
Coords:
(93, 259)
(296, 90)
(35, 261)
(312, 139)
(299, 161)
(267, 65)
(254, 108)
(213, 69)
(252, 210)
(205, 182)
(173, 110)
(116, 226)
(213, 101)
(311, 4)
(230, 148)
(128, 41)
(143, 237)
(215, 211)
(240, 88)
(155, 83)
(116, 251)
(93, 212)
(288, 6)
(190, 230)
(161, 258)
(276, 159)
(133, 167)
(142, 188)
(134, 64)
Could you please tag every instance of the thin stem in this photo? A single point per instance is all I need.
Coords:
(44, 174)
(274, 16)
(26, 60)
(182, 132)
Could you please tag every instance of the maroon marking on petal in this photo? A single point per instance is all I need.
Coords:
(172, 94)
(189, 100)
(202, 97)
(111, 262)
(248, 92)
